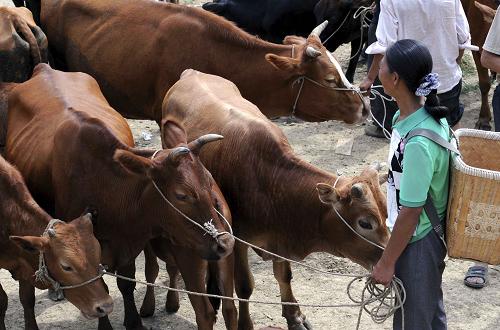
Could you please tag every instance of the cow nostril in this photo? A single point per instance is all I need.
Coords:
(104, 309)
(100, 310)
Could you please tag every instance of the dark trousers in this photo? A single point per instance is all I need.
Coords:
(382, 115)
(496, 107)
(421, 267)
(451, 100)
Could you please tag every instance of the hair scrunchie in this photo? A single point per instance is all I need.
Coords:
(428, 83)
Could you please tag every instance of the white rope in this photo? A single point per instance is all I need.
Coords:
(373, 95)
(389, 299)
(395, 292)
(42, 274)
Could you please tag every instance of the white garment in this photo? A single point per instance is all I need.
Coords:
(441, 25)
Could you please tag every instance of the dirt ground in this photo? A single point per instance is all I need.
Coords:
(315, 142)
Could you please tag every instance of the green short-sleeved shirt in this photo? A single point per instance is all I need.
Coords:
(417, 167)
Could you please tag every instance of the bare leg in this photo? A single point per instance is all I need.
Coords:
(244, 283)
(151, 269)
(27, 297)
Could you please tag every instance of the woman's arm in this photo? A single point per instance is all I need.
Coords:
(404, 228)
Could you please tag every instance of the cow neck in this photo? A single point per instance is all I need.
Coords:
(268, 88)
(297, 205)
(27, 218)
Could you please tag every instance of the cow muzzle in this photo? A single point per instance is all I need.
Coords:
(221, 247)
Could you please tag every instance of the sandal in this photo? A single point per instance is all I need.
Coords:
(480, 272)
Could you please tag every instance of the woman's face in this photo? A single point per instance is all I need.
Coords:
(387, 78)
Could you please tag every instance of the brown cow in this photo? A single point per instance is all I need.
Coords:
(271, 192)
(137, 50)
(71, 252)
(479, 30)
(75, 151)
(22, 44)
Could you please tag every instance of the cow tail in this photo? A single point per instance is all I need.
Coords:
(213, 286)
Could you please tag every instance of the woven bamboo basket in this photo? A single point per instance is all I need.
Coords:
(473, 223)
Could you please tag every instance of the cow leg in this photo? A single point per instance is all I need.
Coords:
(294, 317)
(484, 85)
(104, 323)
(353, 62)
(132, 319)
(225, 278)
(193, 270)
(27, 297)
(151, 269)
(4, 301)
(172, 303)
(244, 284)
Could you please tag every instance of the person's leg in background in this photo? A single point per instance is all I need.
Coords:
(383, 116)
(451, 100)
(496, 106)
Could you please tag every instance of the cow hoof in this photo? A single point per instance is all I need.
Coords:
(172, 307)
(147, 311)
(301, 325)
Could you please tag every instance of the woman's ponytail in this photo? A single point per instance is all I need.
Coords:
(434, 108)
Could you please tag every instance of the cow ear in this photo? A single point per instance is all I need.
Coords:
(214, 7)
(327, 194)
(172, 134)
(85, 222)
(382, 178)
(487, 12)
(31, 244)
(131, 162)
(282, 63)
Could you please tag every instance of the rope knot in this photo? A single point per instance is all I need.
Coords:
(210, 228)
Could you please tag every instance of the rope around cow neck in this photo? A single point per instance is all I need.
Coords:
(390, 298)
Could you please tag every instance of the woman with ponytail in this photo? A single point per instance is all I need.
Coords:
(417, 167)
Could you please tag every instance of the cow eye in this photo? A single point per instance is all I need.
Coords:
(66, 268)
(365, 224)
(331, 80)
(181, 197)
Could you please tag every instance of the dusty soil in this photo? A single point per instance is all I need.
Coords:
(315, 142)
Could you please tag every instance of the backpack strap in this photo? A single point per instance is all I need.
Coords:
(429, 207)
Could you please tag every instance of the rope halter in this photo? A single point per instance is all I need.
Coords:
(42, 275)
(208, 227)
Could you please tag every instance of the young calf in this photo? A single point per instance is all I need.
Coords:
(70, 251)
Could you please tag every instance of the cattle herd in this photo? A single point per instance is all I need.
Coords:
(224, 166)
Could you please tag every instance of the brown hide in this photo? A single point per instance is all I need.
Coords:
(76, 151)
(271, 192)
(5, 88)
(137, 50)
(22, 222)
(479, 30)
(22, 44)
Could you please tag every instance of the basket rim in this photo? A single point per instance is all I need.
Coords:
(460, 165)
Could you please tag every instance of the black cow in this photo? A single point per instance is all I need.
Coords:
(274, 19)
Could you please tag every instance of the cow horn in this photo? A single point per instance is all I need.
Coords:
(312, 52)
(196, 145)
(357, 190)
(51, 232)
(176, 153)
(318, 29)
